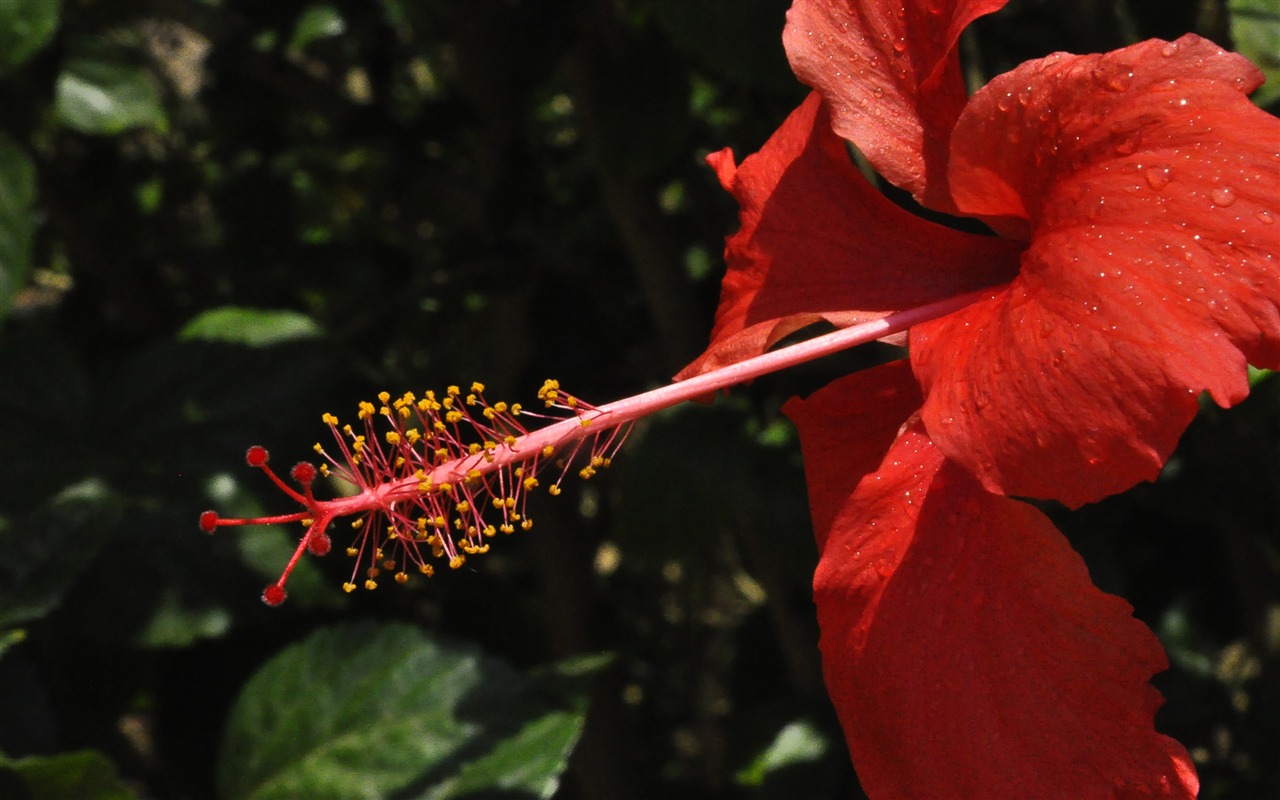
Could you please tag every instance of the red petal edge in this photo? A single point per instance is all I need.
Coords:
(819, 242)
(891, 75)
(964, 647)
(1150, 186)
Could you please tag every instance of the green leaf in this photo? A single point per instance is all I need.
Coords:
(48, 549)
(529, 763)
(102, 94)
(367, 710)
(247, 326)
(1255, 27)
(83, 774)
(25, 27)
(17, 218)
(316, 22)
(796, 743)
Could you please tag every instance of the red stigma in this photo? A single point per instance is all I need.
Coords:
(209, 521)
(274, 594)
(303, 473)
(319, 544)
(256, 456)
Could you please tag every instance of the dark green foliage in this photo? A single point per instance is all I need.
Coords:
(219, 220)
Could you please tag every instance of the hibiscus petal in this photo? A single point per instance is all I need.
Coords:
(891, 75)
(964, 646)
(1150, 186)
(818, 242)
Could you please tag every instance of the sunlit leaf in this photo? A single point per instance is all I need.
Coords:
(366, 710)
(83, 774)
(1255, 27)
(253, 327)
(797, 743)
(99, 94)
(316, 22)
(25, 27)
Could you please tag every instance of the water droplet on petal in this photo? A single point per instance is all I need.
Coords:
(1265, 217)
(878, 92)
(1158, 177)
(900, 45)
(1169, 49)
(1005, 101)
(1223, 196)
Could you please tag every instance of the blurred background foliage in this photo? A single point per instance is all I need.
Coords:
(221, 218)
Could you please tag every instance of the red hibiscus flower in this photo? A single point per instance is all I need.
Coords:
(1134, 196)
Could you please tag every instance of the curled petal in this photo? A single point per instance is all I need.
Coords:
(891, 75)
(818, 242)
(964, 646)
(1148, 185)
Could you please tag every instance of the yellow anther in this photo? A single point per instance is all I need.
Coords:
(489, 413)
(516, 408)
(351, 551)
(584, 422)
(526, 524)
(347, 430)
(401, 577)
(498, 502)
(597, 461)
(426, 569)
(474, 475)
(422, 523)
(457, 561)
(324, 469)
(348, 587)
(472, 400)
(489, 530)
(477, 386)
(446, 488)
(399, 461)
(318, 448)
(571, 401)
(507, 527)
(511, 502)
(554, 490)
(586, 472)
(424, 405)
(473, 448)
(384, 397)
(463, 507)
(371, 584)
(454, 417)
(373, 572)
(329, 419)
(366, 410)
(509, 440)
(500, 407)
(377, 553)
(404, 412)
(412, 435)
(530, 482)
(393, 437)
(453, 391)
(548, 451)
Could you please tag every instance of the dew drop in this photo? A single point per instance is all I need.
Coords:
(1169, 49)
(900, 45)
(1265, 217)
(878, 92)
(1005, 101)
(1223, 196)
(1158, 177)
